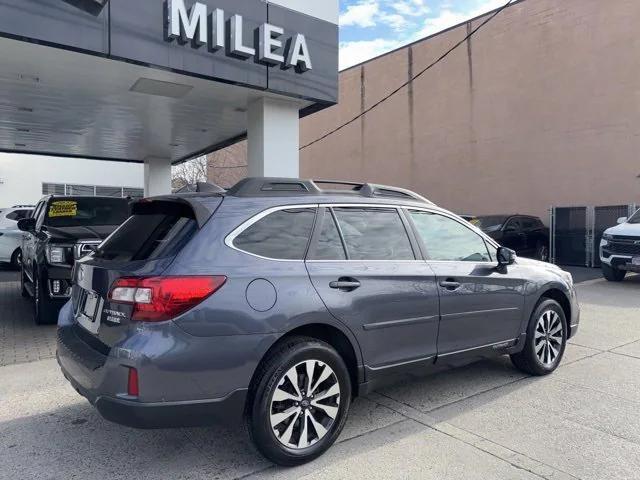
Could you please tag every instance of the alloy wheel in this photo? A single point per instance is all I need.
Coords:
(305, 404)
(548, 337)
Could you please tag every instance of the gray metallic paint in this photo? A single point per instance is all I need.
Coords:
(214, 349)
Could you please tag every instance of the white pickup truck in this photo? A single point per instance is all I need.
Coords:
(620, 248)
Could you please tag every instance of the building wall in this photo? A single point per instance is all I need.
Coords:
(22, 176)
(539, 108)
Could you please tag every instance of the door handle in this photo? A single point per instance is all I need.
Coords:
(347, 284)
(450, 284)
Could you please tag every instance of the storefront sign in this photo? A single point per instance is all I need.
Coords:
(202, 28)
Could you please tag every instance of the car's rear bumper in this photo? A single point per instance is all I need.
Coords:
(220, 411)
(183, 380)
(90, 373)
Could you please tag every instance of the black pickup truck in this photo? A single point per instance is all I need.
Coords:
(60, 231)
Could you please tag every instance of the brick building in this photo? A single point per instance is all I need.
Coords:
(539, 108)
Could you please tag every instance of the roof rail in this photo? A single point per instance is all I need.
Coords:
(258, 186)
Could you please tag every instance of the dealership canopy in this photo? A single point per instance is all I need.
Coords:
(160, 82)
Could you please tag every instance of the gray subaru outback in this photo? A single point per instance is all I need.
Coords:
(277, 302)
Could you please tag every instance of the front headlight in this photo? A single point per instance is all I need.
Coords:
(56, 254)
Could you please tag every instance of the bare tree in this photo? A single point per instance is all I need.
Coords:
(189, 173)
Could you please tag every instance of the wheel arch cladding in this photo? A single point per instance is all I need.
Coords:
(560, 297)
(328, 334)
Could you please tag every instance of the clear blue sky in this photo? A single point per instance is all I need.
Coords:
(371, 27)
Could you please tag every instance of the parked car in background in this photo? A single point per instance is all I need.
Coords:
(525, 234)
(11, 247)
(9, 216)
(278, 301)
(10, 236)
(620, 248)
(62, 230)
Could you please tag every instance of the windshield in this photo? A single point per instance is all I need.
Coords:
(86, 212)
(491, 222)
(635, 218)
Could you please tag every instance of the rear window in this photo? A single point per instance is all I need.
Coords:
(155, 230)
(86, 212)
(282, 235)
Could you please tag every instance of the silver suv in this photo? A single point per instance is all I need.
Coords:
(280, 300)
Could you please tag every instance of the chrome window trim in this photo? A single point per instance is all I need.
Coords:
(229, 239)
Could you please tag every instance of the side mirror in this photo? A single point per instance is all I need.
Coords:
(27, 224)
(509, 229)
(506, 256)
(623, 219)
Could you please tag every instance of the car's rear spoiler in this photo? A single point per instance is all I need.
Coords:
(202, 206)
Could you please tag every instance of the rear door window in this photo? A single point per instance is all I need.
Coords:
(374, 234)
(281, 235)
(156, 230)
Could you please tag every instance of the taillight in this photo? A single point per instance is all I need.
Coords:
(156, 299)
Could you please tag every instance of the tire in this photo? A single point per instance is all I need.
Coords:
(23, 280)
(542, 252)
(16, 259)
(543, 353)
(613, 274)
(44, 310)
(274, 435)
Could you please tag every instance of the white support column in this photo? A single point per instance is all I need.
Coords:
(157, 177)
(273, 139)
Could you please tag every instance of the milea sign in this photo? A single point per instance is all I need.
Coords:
(201, 27)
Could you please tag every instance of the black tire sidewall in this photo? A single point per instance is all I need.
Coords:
(23, 289)
(545, 305)
(258, 419)
(613, 274)
(43, 308)
(14, 259)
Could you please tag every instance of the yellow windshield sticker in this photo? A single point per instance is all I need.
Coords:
(475, 221)
(63, 209)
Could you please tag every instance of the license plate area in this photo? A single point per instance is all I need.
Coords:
(88, 310)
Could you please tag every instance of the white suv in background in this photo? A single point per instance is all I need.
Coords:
(9, 216)
(10, 236)
(620, 248)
